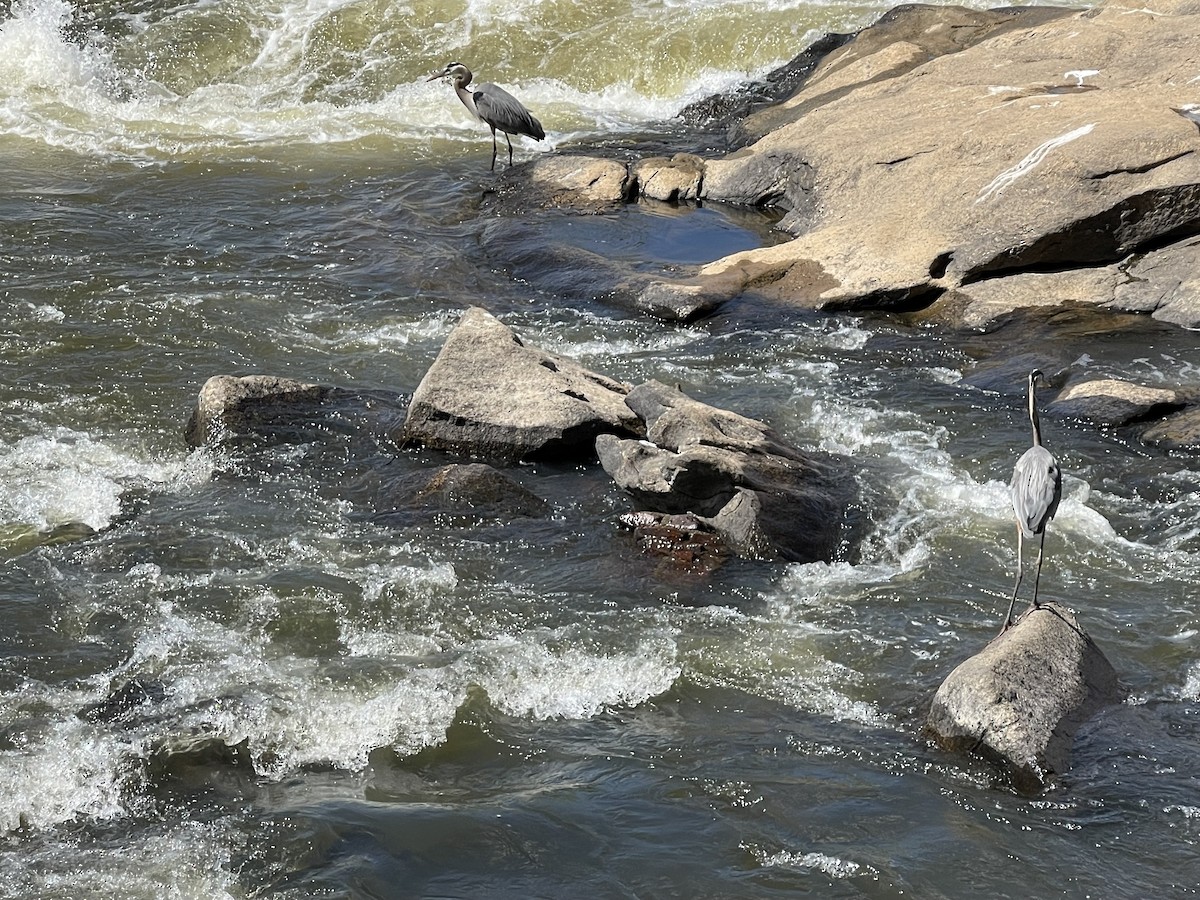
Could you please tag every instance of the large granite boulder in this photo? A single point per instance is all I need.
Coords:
(1020, 700)
(489, 395)
(766, 499)
(945, 150)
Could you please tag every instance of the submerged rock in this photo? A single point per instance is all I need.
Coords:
(489, 395)
(766, 499)
(1020, 700)
(684, 540)
(1180, 431)
(471, 491)
(229, 404)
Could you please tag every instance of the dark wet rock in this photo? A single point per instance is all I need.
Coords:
(489, 395)
(766, 499)
(729, 110)
(1010, 374)
(675, 302)
(684, 540)
(1180, 431)
(1020, 700)
(1111, 402)
(228, 405)
(673, 179)
(472, 490)
(136, 696)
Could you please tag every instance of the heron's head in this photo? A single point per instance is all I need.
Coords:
(1035, 375)
(459, 74)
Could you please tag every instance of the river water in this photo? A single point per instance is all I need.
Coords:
(322, 700)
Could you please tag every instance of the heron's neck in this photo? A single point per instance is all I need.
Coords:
(467, 98)
(1033, 415)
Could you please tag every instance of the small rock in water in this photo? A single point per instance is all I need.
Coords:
(1020, 700)
(1108, 401)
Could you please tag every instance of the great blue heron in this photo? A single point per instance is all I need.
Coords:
(1036, 489)
(493, 105)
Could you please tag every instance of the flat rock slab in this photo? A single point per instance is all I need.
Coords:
(489, 395)
(1111, 402)
(1020, 700)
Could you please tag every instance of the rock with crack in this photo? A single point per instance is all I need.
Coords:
(489, 395)
(1020, 700)
(1111, 402)
(766, 499)
(672, 180)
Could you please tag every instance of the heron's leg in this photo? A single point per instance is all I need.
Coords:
(507, 141)
(1038, 573)
(494, 147)
(1008, 620)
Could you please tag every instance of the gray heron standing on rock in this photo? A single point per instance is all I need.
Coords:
(1036, 490)
(492, 105)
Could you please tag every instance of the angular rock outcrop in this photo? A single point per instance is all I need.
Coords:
(1020, 700)
(489, 395)
(766, 499)
(933, 155)
(230, 404)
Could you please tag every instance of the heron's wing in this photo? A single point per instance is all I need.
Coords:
(502, 110)
(1036, 490)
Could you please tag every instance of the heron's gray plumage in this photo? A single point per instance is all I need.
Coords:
(1036, 490)
(492, 105)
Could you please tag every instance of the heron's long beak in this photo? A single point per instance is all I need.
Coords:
(435, 76)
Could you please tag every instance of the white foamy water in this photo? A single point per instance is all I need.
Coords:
(67, 476)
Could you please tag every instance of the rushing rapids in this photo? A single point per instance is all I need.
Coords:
(238, 671)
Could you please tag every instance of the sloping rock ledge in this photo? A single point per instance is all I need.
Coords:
(965, 162)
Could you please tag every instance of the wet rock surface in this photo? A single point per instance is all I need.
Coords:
(1020, 701)
(766, 499)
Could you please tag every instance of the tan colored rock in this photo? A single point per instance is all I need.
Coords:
(1108, 401)
(489, 395)
(228, 404)
(1069, 143)
(1020, 700)
(673, 180)
(571, 179)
